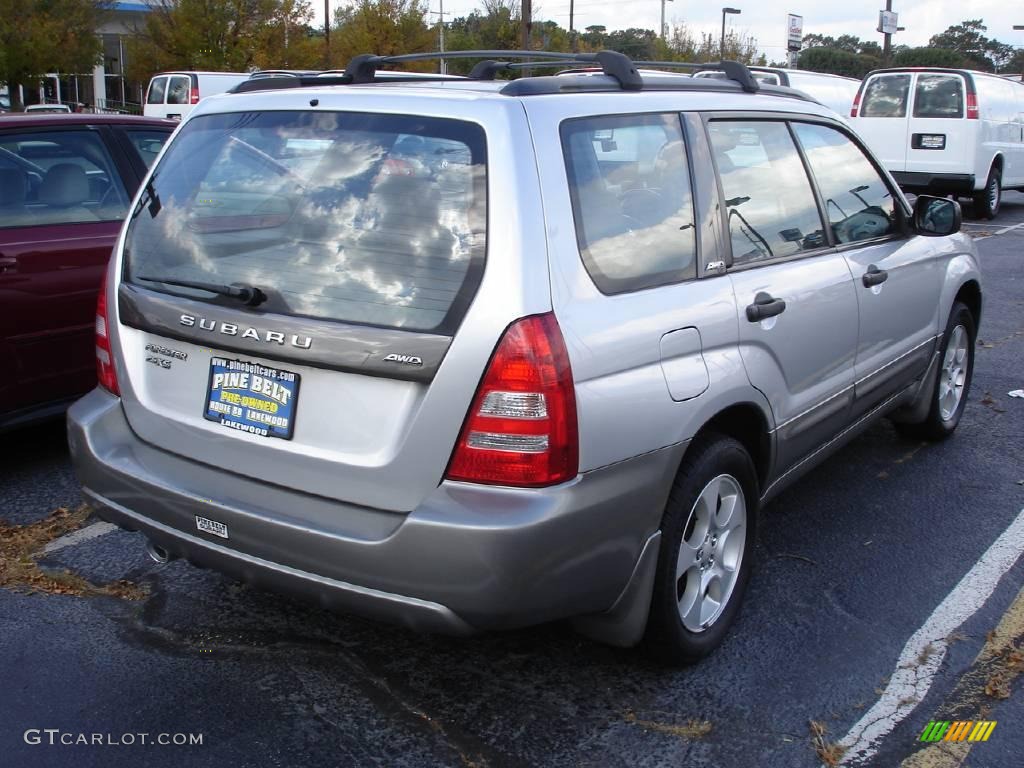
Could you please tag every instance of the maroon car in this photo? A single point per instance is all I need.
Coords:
(66, 182)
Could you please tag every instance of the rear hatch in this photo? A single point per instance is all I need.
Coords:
(883, 117)
(940, 138)
(291, 283)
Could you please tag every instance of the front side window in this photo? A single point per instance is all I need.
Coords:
(156, 90)
(147, 143)
(771, 207)
(179, 91)
(631, 198)
(58, 177)
(939, 96)
(362, 218)
(858, 202)
(886, 96)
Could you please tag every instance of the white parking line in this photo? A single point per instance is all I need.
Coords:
(1002, 231)
(77, 537)
(924, 652)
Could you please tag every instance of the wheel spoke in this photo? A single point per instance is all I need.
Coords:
(725, 515)
(690, 602)
(709, 498)
(687, 558)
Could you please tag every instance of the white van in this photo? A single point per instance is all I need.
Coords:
(834, 91)
(175, 94)
(945, 131)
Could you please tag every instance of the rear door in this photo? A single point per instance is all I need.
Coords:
(179, 93)
(941, 138)
(796, 304)
(156, 97)
(365, 235)
(883, 117)
(62, 201)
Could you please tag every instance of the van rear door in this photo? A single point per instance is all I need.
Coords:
(156, 95)
(941, 138)
(882, 119)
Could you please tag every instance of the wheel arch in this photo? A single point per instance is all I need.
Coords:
(748, 424)
(969, 293)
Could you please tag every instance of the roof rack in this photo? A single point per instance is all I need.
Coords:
(617, 66)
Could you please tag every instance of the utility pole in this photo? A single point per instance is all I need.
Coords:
(327, 34)
(526, 22)
(572, 29)
(664, 32)
(887, 38)
(444, 64)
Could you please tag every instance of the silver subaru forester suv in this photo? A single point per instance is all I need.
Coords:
(478, 353)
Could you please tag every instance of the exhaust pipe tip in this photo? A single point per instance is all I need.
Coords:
(157, 553)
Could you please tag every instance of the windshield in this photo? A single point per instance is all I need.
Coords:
(364, 218)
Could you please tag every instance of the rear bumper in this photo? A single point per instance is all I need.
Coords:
(935, 183)
(468, 558)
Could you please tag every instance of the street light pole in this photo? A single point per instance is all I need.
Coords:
(327, 34)
(664, 32)
(721, 41)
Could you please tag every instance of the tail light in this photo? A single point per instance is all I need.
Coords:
(105, 372)
(856, 104)
(194, 95)
(521, 429)
(972, 106)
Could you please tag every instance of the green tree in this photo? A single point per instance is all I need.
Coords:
(40, 36)
(929, 57)
(385, 27)
(968, 39)
(838, 62)
(223, 35)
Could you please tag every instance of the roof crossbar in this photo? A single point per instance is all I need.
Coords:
(733, 70)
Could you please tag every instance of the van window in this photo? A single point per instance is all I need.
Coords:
(858, 203)
(886, 96)
(156, 90)
(179, 90)
(772, 210)
(362, 218)
(631, 200)
(939, 96)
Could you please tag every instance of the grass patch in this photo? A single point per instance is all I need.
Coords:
(21, 546)
(827, 751)
(691, 730)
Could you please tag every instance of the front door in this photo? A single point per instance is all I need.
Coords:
(796, 303)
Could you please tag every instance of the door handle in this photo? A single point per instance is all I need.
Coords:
(8, 265)
(874, 276)
(765, 305)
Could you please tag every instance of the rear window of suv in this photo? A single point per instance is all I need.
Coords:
(352, 217)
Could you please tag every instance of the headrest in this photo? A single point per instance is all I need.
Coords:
(65, 184)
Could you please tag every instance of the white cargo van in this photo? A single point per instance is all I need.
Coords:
(175, 94)
(834, 91)
(945, 131)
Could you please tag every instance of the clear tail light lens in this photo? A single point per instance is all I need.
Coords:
(105, 372)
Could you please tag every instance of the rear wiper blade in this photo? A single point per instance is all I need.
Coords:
(247, 294)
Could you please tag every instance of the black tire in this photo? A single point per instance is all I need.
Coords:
(666, 638)
(988, 201)
(935, 426)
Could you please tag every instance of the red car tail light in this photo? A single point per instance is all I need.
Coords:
(972, 106)
(521, 429)
(105, 372)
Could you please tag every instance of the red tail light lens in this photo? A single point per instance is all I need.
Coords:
(521, 429)
(856, 105)
(194, 96)
(105, 372)
(972, 106)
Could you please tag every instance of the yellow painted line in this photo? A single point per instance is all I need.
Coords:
(951, 754)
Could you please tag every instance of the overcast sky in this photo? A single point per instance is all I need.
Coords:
(766, 21)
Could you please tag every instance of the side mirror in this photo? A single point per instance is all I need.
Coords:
(936, 216)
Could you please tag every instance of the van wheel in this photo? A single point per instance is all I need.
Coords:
(956, 367)
(988, 200)
(707, 546)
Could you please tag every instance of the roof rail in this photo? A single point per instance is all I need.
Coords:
(363, 69)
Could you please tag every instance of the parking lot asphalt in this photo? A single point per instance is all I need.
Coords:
(851, 563)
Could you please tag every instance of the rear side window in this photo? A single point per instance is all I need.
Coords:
(771, 206)
(156, 90)
(631, 198)
(180, 90)
(939, 96)
(58, 177)
(147, 143)
(858, 202)
(886, 96)
(362, 218)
